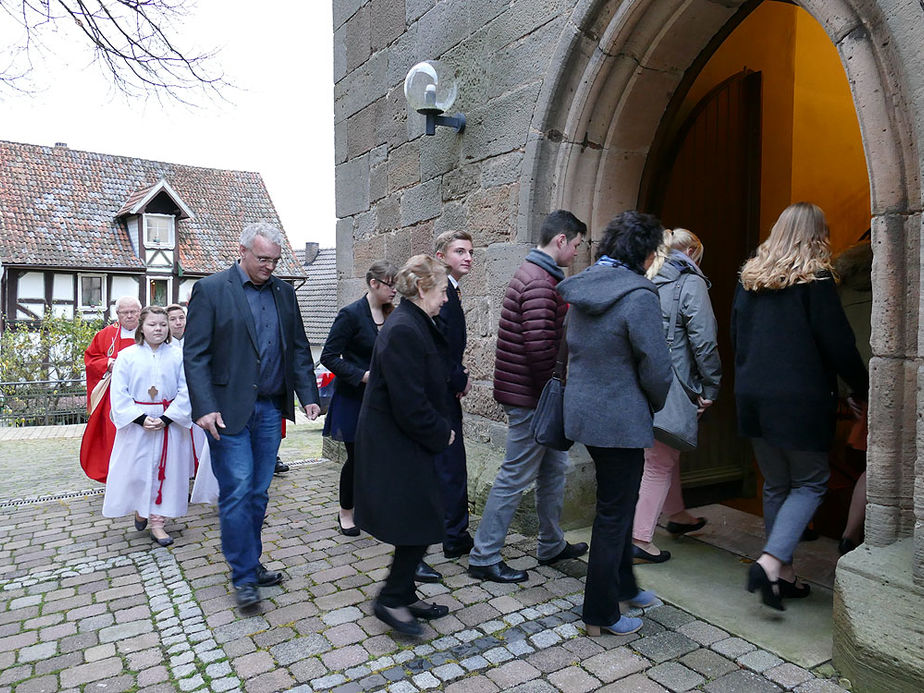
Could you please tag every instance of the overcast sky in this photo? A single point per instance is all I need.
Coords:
(279, 121)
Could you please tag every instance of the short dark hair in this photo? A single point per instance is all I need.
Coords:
(630, 238)
(561, 221)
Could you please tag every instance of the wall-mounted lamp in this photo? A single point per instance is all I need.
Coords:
(431, 91)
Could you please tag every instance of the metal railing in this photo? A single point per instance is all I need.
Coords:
(43, 402)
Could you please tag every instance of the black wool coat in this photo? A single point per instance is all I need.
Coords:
(403, 424)
(451, 322)
(790, 346)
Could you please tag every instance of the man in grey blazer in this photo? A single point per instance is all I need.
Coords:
(245, 353)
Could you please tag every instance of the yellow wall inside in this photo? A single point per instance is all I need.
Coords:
(828, 163)
(811, 144)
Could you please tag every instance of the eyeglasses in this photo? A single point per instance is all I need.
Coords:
(263, 260)
(390, 285)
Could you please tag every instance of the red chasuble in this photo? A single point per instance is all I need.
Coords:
(96, 446)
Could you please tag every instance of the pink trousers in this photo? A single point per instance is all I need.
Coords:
(659, 491)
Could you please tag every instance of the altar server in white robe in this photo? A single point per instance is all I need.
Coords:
(152, 459)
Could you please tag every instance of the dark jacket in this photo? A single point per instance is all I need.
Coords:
(696, 353)
(529, 332)
(403, 424)
(790, 346)
(221, 357)
(451, 321)
(619, 369)
(348, 349)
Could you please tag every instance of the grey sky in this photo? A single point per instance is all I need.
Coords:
(279, 121)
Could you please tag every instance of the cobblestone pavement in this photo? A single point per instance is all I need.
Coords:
(41, 461)
(90, 604)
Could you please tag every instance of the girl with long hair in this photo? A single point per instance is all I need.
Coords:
(791, 341)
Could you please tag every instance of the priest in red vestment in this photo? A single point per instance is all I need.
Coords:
(99, 435)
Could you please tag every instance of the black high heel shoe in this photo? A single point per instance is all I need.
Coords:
(789, 590)
(769, 589)
(347, 531)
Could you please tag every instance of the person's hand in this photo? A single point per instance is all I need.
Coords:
(109, 364)
(151, 424)
(312, 411)
(365, 378)
(211, 422)
(702, 405)
(857, 407)
(452, 436)
(468, 385)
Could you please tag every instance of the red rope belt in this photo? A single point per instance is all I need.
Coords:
(162, 467)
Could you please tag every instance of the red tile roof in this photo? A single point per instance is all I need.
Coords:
(59, 207)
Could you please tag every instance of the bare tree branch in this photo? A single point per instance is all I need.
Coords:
(132, 41)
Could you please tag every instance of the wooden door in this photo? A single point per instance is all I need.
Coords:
(710, 183)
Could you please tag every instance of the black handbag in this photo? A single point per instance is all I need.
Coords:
(677, 423)
(548, 425)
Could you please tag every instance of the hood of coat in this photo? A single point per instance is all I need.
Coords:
(596, 289)
(676, 264)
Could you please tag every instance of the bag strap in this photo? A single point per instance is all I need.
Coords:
(561, 361)
(672, 331)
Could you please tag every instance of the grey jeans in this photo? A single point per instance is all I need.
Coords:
(795, 482)
(525, 461)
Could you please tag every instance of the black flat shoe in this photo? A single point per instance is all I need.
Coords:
(642, 556)
(163, 541)
(789, 590)
(140, 522)
(426, 573)
(347, 531)
(267, 578)
(425, 610)
(460, 549)
(388, 617)
(246, 596)
(570, 551)
(498, 572)
(678, 528)
(281, 467)
(769, 590)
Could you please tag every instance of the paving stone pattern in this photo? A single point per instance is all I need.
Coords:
(88, 603)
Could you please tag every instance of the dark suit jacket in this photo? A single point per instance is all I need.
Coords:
(451, 321)
(221, 356)
(348, 349)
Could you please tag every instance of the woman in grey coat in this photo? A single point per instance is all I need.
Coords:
(619, 372)
(695, 356)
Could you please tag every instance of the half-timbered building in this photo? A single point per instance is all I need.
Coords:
(80, 229)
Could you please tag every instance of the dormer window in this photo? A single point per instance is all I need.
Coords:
(159, 230)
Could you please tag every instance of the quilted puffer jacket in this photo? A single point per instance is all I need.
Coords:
(530, 330)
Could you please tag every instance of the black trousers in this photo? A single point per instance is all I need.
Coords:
(346, 478)
(609, 571)
(452, 473)
(399, 588)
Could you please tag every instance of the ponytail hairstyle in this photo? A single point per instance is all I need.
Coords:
(676, 239)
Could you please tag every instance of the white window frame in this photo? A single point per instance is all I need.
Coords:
(104, 303)
(171, 241)
(147, 288)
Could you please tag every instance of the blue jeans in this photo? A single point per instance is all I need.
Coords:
(526, 461)
(243, 464)
(795, 482)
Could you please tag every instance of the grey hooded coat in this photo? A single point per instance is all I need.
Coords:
(619, 369)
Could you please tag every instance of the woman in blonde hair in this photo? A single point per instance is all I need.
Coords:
(683, 291)
(791, 340)
(403, 424)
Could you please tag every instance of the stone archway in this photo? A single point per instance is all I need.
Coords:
(614, 73)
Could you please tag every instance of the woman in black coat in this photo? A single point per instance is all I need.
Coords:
(791, 341)
(403, 424)
(347, 353)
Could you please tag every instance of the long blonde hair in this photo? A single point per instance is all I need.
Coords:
(796, 252)
(676, 239)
